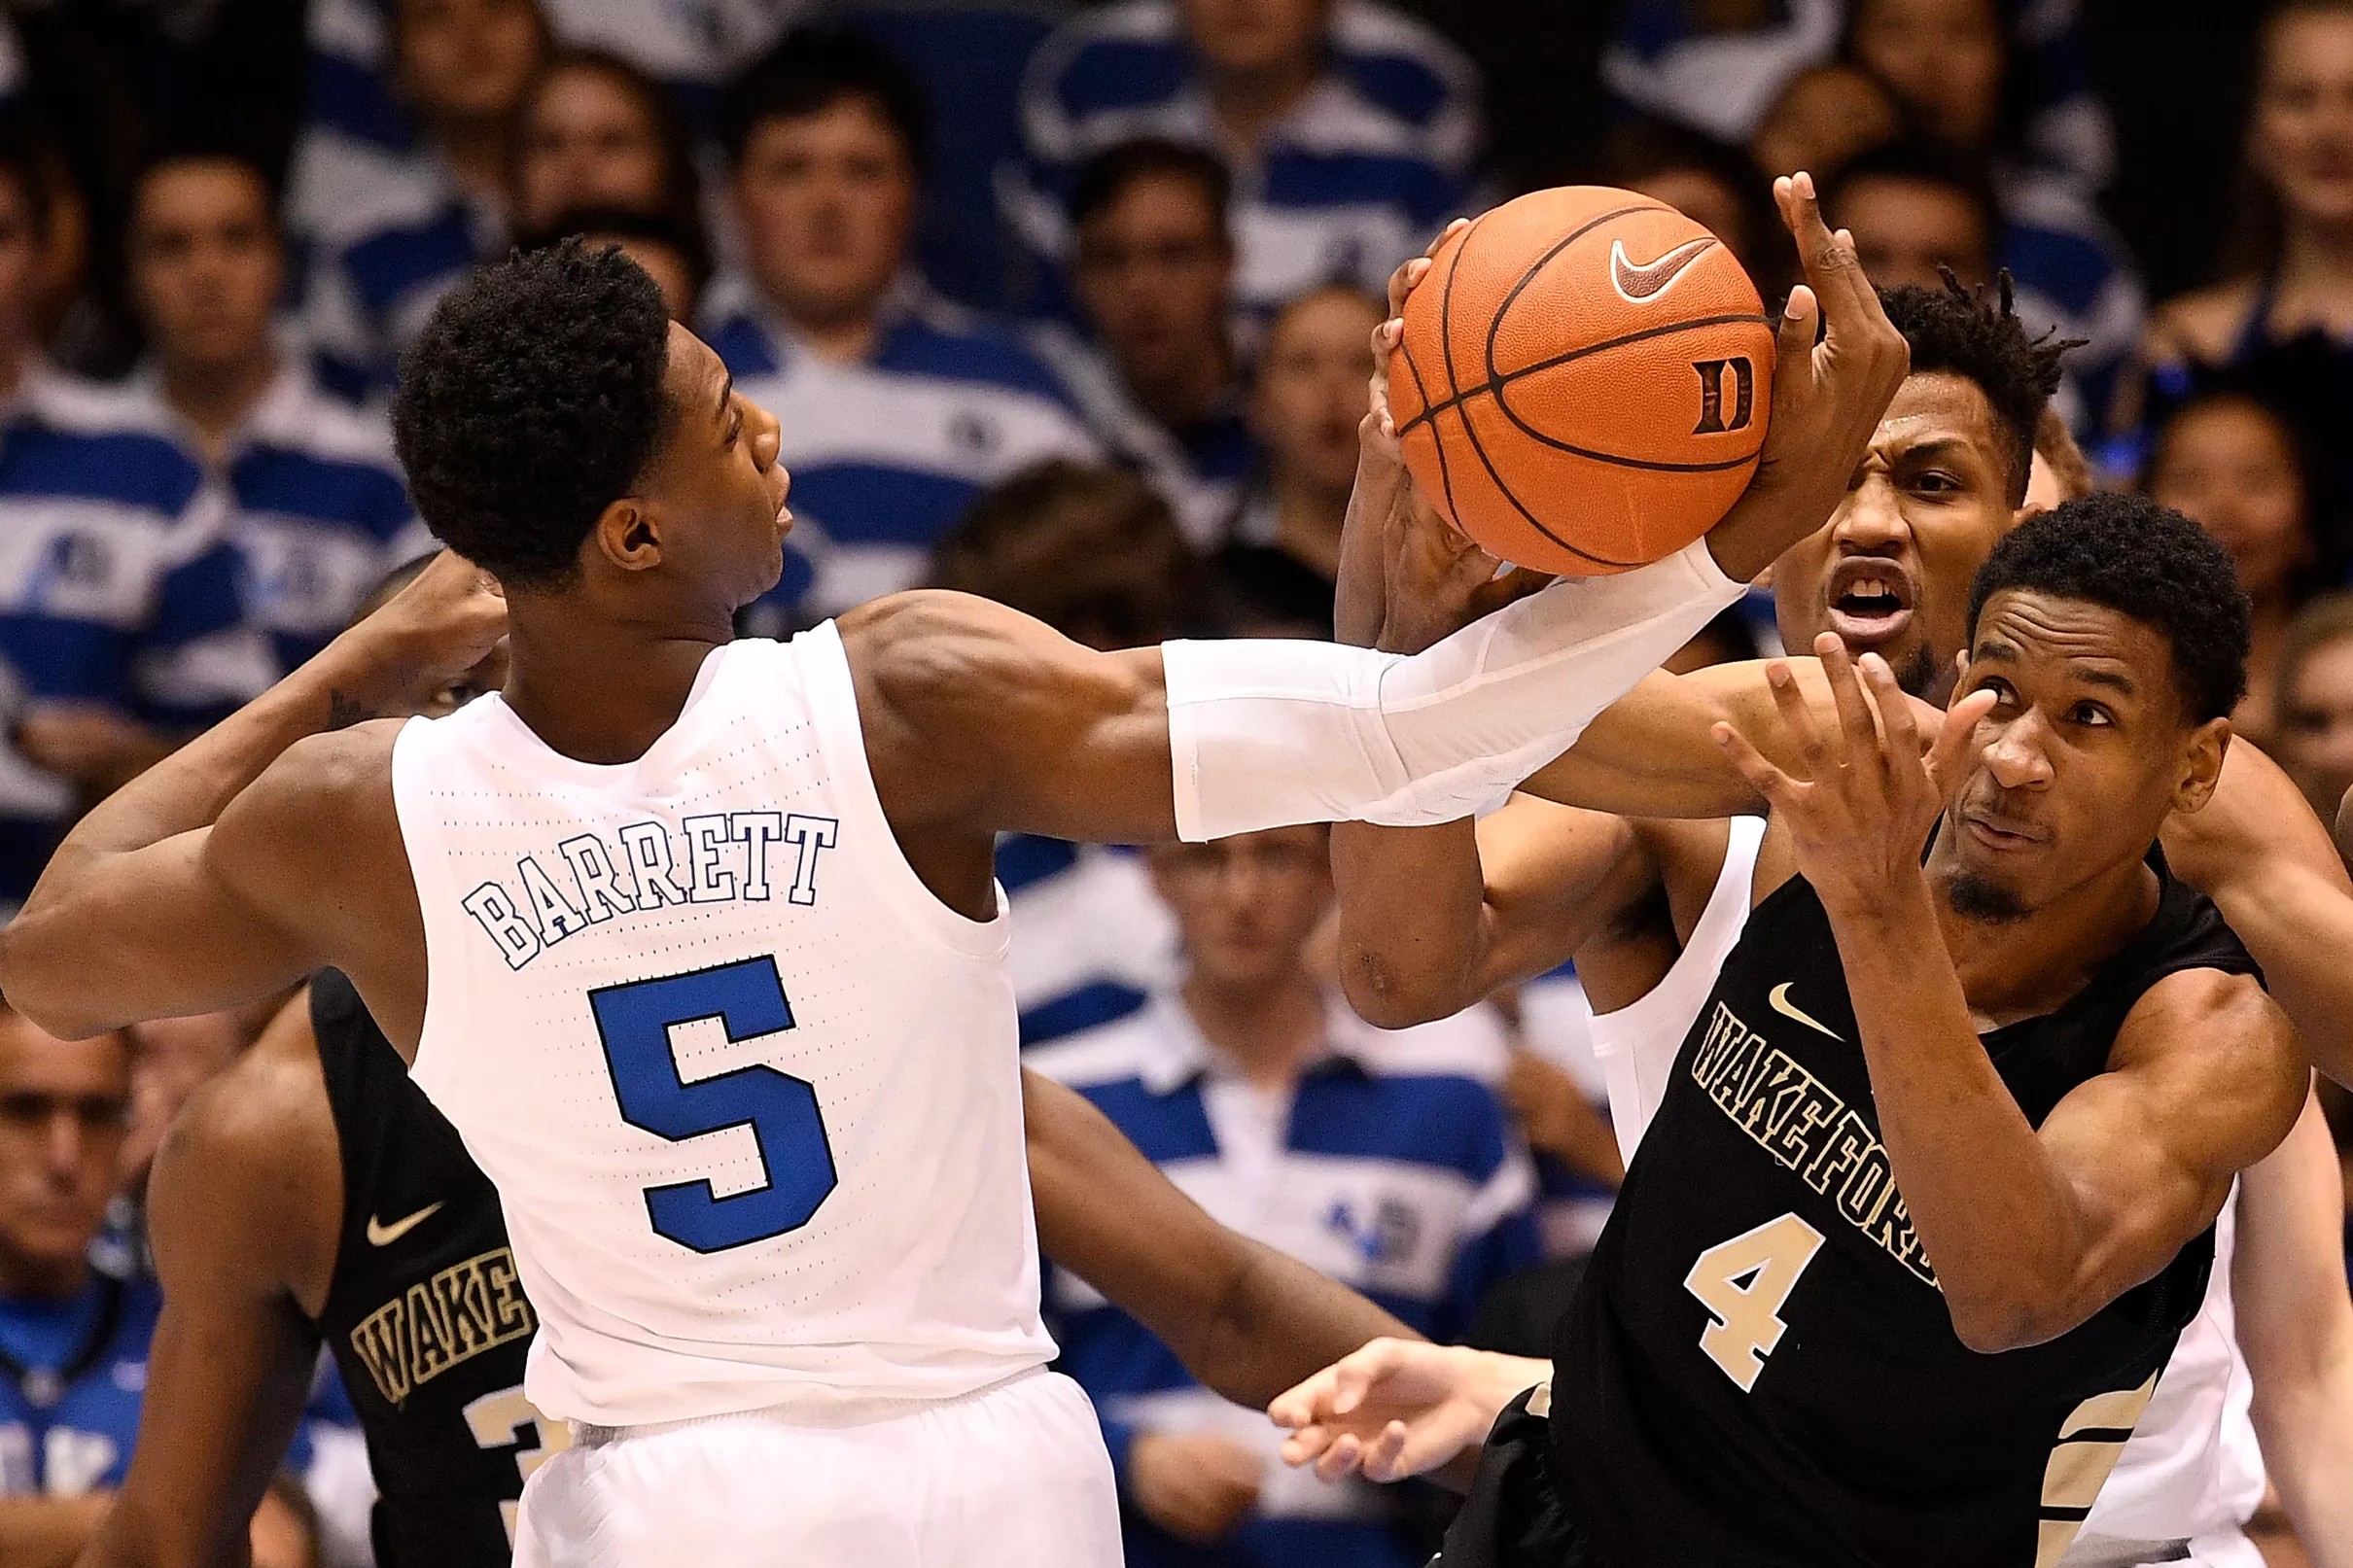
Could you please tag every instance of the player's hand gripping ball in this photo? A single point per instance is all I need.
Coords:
(1583, 381)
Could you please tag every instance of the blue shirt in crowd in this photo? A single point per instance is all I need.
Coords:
(886, 453)
(1390, 1169)
(1090, 939)
(313, 503)
(72, 1376)
(1356, 179)
(117, 588)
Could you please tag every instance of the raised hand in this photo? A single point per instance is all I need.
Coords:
(1827, 396)
(1867, 797)
(448, 622)
(1399, 1408)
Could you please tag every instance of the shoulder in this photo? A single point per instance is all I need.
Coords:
(946, 343)
(1399, 62)
(1109, 1056)
(111, 441)
(1117, 56)
(2219, 1025)
(320, 814)
(2201, 325)
(937, 654)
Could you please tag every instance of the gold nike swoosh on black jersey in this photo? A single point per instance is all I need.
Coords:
(1778, 1000)
(381, 1235)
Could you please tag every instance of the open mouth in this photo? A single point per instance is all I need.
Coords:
(1871, 601)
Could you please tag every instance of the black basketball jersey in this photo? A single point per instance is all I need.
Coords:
(1759, 1368)
(425, 1314)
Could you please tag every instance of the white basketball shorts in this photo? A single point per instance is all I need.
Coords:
(1012, 1477)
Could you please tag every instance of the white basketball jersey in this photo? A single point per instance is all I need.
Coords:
(747, 1091)
(2192, 1469)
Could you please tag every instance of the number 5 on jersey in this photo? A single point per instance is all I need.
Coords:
(747, 999)
(1743, 1282)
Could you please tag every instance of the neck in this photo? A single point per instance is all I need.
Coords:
(2314, 254)
(1185, 395)
(2029, 967)
(1248, 104)
(215, 399)
(41, 1279)
(1266, 1031)
(841, 339)
(478, 154)
(1308, 522)
(598, 687)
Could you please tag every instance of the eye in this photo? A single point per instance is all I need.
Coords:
(1933, 483)
(2091, 714)
(2003, 695)
(735, 425)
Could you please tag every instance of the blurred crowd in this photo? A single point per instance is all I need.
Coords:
(1068, 306)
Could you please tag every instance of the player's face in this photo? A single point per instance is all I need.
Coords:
(468, 60)
(1153, 273)
(1246, 905)
(1255, 36)
(587, 142)
(1905, 229)
(205, 262)
(63, 1109)
(1310, 395)
(1942, 57)
(718, 485)
(2230, 468)
(2301, 138)
(1890, 572)
(2315, 734)
(2083, 755)
(827, 201)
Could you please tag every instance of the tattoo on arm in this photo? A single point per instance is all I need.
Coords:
(344, 711)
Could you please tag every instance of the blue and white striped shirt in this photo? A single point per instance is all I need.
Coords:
(1354, 180)
(1390, 1167)
(885, 454)
(117, 588)
(314, 503)
(1090, 940)
(369, 301)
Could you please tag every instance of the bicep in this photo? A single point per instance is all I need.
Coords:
(2203, 1081)
(1653, 751)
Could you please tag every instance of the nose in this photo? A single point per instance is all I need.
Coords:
(2018, 756)
(1871, 519)
(767, 436)
(62, 1144)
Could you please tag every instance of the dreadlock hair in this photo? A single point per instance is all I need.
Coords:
(1956, 330)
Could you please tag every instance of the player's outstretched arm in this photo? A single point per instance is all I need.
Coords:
(2266, 861)
(150, 910)
(2295, 1326)
(2030, 1231)
(245, 1197)
(1245, 1320)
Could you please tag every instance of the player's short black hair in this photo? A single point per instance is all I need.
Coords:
(680, 232)
(1978, 335)
(1104, 178)
(811, 69)
(531, 402)
(2144, 561)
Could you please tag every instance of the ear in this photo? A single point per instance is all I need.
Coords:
(2031, 509)
(2201, 764)
(628, 533)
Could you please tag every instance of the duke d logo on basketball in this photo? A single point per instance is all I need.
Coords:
(1712, 395)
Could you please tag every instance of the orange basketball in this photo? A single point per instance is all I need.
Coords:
(1583, 380)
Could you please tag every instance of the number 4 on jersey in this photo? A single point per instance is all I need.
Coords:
(1743, 1282)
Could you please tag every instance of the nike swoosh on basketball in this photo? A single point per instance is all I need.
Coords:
(381, 1235)
(1778, 1000)
(1636, 284)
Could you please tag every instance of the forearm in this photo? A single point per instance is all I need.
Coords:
(1280, 1323)
(2306, 1432)
(48, 1532)
(1264, 734)
(1413, 919)
(1989, 1212)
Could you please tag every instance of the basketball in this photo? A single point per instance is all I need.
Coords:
(1582, 382)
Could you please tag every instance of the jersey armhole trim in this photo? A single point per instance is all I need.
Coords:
(832, 695)
(1730, 903)
(436, 1068)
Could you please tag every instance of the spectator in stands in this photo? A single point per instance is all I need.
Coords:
(898, 410)
(1281, 554)
(2281, 320)
(598, 132)
(1351, 132)
(1369, 1156)
(1915, 207)
(1711, 182)
(2313, 738)
(1822, 116)
(670, 247)
(73, 1341)
(1096, 554)
(2236, 466)
(316, 506)
(463, 67)
(1716, 67)
(1153, 275)
(121, 620)
(1959, 74)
